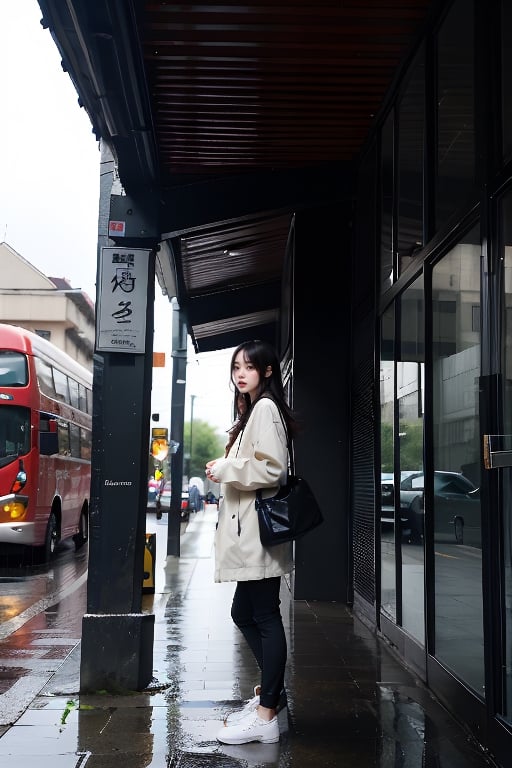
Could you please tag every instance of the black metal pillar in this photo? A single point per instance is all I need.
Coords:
(179, 380)
(117, 638)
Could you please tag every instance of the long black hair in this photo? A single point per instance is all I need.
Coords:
(262, 356)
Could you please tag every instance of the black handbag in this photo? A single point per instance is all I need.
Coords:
(292, 512)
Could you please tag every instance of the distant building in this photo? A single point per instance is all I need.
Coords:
(48, 306)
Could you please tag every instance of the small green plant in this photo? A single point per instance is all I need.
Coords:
(70, 705)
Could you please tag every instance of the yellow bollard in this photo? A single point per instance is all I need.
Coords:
(148, 584)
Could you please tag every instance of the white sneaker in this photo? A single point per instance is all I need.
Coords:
(249, 706)
(250, 728)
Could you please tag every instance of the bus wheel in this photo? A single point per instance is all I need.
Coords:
(83, 531)
(51, 540)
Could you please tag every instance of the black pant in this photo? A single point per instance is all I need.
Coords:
(255, 611)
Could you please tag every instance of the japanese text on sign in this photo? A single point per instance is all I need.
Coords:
(122, 300)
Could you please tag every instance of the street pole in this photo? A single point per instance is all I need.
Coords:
(179, 373)
(192, 398)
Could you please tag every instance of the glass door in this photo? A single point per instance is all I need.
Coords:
(401, 443)
(452, 495)
(388, 571)
(505, 708)
(410, 377)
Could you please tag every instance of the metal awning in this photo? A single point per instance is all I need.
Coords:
(228, 119)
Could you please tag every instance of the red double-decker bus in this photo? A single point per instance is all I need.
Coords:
(45, 444)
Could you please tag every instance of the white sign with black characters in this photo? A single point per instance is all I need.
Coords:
(122, 300)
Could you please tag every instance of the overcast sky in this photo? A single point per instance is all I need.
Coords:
(49, 193)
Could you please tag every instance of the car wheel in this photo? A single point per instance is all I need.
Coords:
(459, 530)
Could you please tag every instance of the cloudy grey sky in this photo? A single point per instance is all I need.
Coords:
(49, 193)
(50, 158)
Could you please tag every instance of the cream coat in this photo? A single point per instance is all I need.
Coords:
(257, 459)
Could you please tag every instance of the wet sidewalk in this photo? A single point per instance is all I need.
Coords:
(350, 703)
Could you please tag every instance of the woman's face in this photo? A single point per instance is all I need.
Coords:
(245, 376)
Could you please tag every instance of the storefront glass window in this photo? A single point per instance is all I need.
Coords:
(387, 503)
(387, 185)
(411, 117)
(506, 79)
(455, 111)
(409, 394)
(506, 237)
(452, 502)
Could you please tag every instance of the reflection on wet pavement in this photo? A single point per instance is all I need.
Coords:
(349, 702)
(41, 609)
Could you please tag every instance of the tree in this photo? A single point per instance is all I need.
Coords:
(411, 446)
(386, 448)
(207, 444)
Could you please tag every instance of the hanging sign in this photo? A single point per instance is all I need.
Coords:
(122, 300)
(116, 229)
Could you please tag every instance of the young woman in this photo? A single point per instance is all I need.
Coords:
(256, 457)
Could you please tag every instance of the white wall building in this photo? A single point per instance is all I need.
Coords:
(48, 306)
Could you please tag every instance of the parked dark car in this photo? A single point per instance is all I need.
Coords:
(411, 507)
(456, 507)
(457, 513)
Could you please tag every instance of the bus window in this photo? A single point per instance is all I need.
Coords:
(73, 392)
(61, 385)
(48, 438)
(82, 398)
(14, 432)
(48, 443)
(74, 437)
(47, 422)
(85, 444)
(45, 377)
(13, 369)
(64, 444)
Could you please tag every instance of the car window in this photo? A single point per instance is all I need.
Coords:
(458, 485)
(440, 483)
(452, 483)
(453, 488)
(417, 483)
(444, 482)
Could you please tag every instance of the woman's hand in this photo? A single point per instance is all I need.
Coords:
(209, 473)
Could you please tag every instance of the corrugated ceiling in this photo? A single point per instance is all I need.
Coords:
(270, 85)
(231, 117)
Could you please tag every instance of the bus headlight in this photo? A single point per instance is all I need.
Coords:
(14, 510)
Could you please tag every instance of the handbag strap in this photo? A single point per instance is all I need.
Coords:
(291, 458)
(289, 444)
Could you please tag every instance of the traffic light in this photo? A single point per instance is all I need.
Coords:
(159, 448)
(159, 443)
